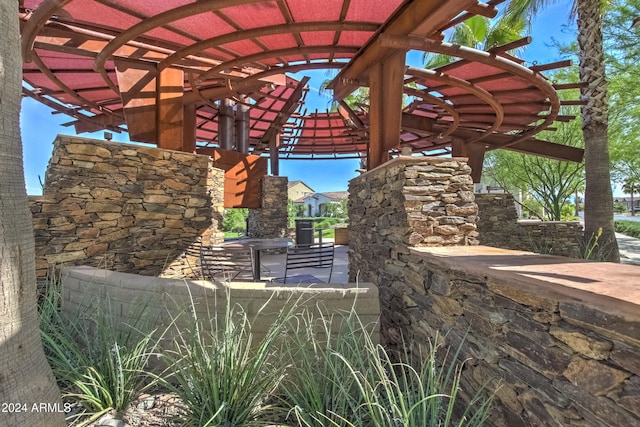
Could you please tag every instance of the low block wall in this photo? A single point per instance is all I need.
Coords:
(556, 339)
(83, 286)
(498, 226)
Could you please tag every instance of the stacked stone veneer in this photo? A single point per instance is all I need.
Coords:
(125, 207)
(408, 202)
(556, 345)
(549, 337)
(271, 221)
(498, 226)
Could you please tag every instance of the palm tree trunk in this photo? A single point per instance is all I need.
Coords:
(598, 212)
(25, 377)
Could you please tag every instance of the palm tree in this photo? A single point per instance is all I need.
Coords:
(598, 212)
(478, 32)
(25, 377)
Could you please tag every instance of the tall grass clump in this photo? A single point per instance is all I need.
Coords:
(221, 375)
(99, 362)
(341, 377)
(319, 389)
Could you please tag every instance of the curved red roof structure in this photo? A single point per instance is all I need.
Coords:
(172, 72)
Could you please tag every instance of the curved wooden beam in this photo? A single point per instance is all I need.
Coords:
(38, 19)
(469, 88)
(66, 89)
(274, 54)
(486, 58)
(440, 103)
(299, 27)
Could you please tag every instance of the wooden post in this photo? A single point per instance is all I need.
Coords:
(274, 162)
(474, 152)
(225, 124)
(242, 126)
(189, 134)
(386, 80)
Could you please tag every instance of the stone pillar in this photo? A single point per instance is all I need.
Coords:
(271, 220)
(405, 203)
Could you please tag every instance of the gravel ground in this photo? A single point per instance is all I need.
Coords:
(158, 410)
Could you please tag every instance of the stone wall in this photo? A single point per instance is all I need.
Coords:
(165, 299)
(271, 221)
(408, 202)
(124, 207)
(498, 226)
(555, 338)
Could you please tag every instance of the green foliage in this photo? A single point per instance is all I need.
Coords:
(222, 376)
(628, 228)
(551, 183)
(99, 362)
(293, 211)
(480, 33)
(235, 220)
(568, 212)
(308, 370)
(622, 43)
(620, 207)
(340, 377)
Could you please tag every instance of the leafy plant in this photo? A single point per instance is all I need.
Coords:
(99, 361)
(591, 248)
(221, 375)
(628, 228)
(344, 379)
(319, 388)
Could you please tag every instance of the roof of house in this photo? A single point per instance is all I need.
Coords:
(336, 195)
(332, 195)
(296, 182)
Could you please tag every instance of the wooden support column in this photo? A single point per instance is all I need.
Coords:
(386, 80)
(189, 130)
(242, 126)
(170, 118)
(274, 161)
(474, 152)
(225, 124)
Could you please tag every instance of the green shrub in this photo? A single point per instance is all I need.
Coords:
(222, 377)
(344, 379)
(98, 362)
(308, 370)
(628, 228)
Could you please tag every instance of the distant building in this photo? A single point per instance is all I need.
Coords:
(316, 204)
(631, 204)
(298, 190)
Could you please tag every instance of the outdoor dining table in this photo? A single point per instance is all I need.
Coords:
(257, 245)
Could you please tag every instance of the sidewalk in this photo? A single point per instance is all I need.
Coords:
(629, 249)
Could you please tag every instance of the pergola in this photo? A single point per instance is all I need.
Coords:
(192, 75)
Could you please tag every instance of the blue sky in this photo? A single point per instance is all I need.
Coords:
(40, 127)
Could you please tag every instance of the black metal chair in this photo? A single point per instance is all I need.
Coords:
(317, 255)
(226, 263)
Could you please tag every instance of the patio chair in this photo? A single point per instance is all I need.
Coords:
(192, 257)
(226, 263)
(318, 255)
